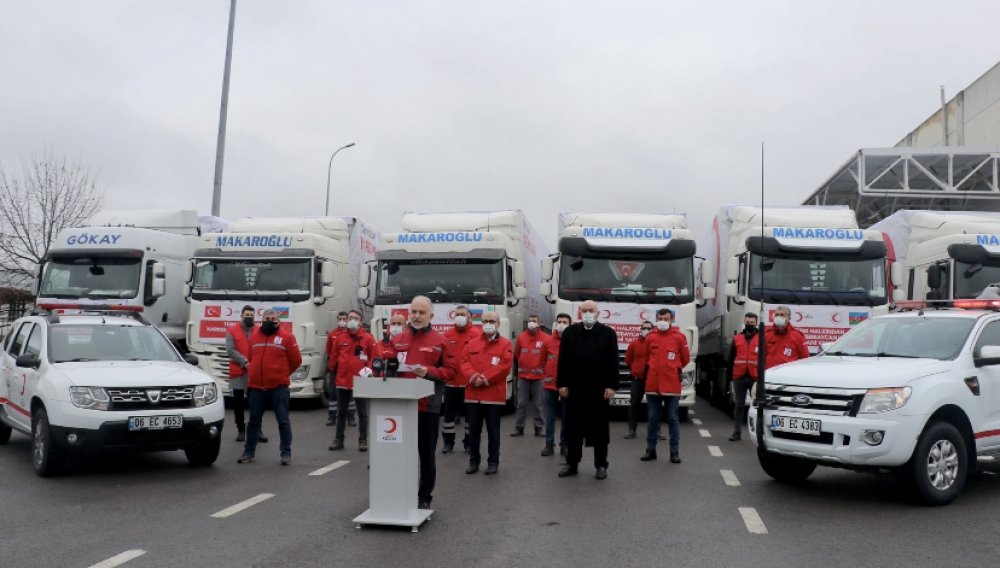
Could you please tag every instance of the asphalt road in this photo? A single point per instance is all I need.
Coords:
(715, 509)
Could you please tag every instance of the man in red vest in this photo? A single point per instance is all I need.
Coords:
(486, 362)
(669, 352)
(238, 349)
(531, 356)
(459, 337)
(552, 402)
(636, 357)
(784, 343)
(743, 370)
(355, 351)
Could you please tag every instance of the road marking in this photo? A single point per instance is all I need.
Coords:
(729, 477)
(696, 421)
(230, 511)
(752, 520)
(691, 412)
(330, 467)
(119, 559)
(704, 433)
(715, 451)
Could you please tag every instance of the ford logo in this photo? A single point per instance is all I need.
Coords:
(802, 400)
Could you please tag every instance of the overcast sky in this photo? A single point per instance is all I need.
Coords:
(651, 106)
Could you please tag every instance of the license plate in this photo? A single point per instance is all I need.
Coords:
(796, 425)
(619, 401)
(154, 422)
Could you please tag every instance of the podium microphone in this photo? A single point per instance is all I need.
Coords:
(378, 367)
(391, 366)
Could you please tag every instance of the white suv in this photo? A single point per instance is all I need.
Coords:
(915, 392)
(101, 380)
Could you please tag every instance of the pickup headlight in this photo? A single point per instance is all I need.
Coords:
(687, 379)
(884, 400)
(753, 393)
(91, 398)
(205, 394)
(300, 374)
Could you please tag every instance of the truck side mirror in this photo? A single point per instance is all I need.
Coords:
(731, 289)
(520, 292)
(934, 276)
(545, 288)
(189, 271)
(707, 293)
(517, 272)
(707, 272)
(365, 275)
(548, 268)
(363, 293)
(896, 274)
(328, 291)
(159, 287)
(326, 272)
(898, 295)
(733, 268)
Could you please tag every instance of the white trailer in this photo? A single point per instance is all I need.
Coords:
(486, 260)
(815, 260)
(304, 268)
(129, 257)
(944, 255)
(632, 265)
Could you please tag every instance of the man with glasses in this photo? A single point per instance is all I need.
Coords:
(485, 364)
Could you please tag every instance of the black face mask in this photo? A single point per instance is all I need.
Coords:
(248, 322)
(748, 328)
(268, 327)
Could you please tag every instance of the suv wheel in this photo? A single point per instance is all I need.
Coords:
(784, 468)
(5, 432)
(205, 454)
(939, 464)
(46, 457)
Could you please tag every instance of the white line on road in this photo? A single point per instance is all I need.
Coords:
(119, 559)
(230, 511)
(704, 433)
(330, 467)
(691, 412)
(752, 520)
(716, 451)
(696, 421)
(729, 477)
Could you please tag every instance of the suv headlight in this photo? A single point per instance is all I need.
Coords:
(884, 400)
(753, 394)
(687, 379)
(91, 398)
(300, 374)
(205, 394)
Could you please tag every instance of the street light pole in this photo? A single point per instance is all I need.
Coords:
(220, 147)
(328, 168)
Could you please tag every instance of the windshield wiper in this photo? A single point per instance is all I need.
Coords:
(794, 295)
(76, 360)
(884, 354)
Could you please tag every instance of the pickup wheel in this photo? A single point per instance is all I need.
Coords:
(205, 454)
(939, 464)
(5, 432)
(46, 456)
(783, 468)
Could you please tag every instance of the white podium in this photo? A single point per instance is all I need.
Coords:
(393, 457)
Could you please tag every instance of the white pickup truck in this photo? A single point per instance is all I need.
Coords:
(915, 392)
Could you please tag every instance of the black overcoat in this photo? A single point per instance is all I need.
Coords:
(588, 364)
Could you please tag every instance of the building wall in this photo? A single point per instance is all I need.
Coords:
(973, 117)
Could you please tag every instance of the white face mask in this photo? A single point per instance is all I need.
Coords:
(461, 321)
(532, 325)
(489, 328)
(341, 324)
(644, 332)
(395, 330)
(780, 321)
(662, 325)
(560, 327)
(589, 318)
(353, 325)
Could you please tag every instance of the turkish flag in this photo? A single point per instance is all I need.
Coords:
(627, 271)
(213, 311)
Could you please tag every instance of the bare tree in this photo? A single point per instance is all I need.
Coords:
(49, 195)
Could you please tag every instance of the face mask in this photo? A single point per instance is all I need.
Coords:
(780, 321)
(353, 325)
(589, 318)
(532, 326)
(662, 325)
(461, 321)
(268, 327)
(489, 328)
(248, 322)
(749, 328)
(644, 332)
(341, 324)
(395, 330)
(560, 327)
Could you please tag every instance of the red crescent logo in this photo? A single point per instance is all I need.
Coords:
(391, 428)
(799, 317)
(835, 318)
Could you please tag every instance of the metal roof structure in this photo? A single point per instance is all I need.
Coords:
(876, 182)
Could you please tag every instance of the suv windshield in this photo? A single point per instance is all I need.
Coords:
(250, 279)
(912, 337)
(91, 277)
(104, 342)
(442, 279)
(627, 279)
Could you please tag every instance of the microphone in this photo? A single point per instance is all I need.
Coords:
(378, 367)
(391, 366)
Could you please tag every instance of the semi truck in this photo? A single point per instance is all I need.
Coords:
(944, 255)
(486, 260)
(815, 260)
(130, 258)
(304, 268)
(632, 265)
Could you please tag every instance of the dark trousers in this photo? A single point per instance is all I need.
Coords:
(637, 388)
(740, 388)
(239, 401)
(490, 413)
(553, 406)
(277, 400)
(575, 453)
(454, 407)
(330, 386)
(427, 439)
(344, 399)
(656, 404)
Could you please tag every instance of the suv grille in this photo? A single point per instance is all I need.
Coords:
(829, 401)
(139, 398)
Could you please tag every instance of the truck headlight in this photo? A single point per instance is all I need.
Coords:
(687, 379)
(300, 374)
(91, 398)
(884, 400)
(205, 394)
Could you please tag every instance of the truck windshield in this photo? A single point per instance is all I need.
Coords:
(250, 279)
(91, 277)
(78, 342)
(908, 337)
(442, 279)
(971, 279)
(818, 281)
(627, 280)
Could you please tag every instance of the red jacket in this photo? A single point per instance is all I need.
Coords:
(331, 349)
(459, 340)
(273, 359)
(531, 355)
(552, 364)
(785, 347)
(668, 354)
(242, 344)
(745, 357)
(355, 351)
(637, 357)
(428, 348)
(492, 358)
(383, 349)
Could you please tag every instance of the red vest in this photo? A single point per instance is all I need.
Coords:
(459, 340)
(273, 359)
(552, 365)
(242, 344)
(637, 357)
(430, 349)
(531, 355)
(349, 361)
(383, 350)
(492, 358)
(669, 353)
(785, 347)
(745, 361)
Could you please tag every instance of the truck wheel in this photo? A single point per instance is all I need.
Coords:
(783, 468)
(682, 413)
(204, 455)
(5, 432)
(46, 456)
(939, 464)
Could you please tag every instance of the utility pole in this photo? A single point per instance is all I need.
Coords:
(220, 148)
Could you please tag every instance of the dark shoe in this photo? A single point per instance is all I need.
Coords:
(245, 458)
(735, 437)
(539, 433)
(331, 421)
(630, 434)
(352, 422)
(424, 504)
(337, 445)
(602, 473)
(363, 445)
(568, 470)
(472, 469)
(548, 451)
(448, 448)
(650, 455)
(241, 437)
(286, 459)
(517, 432)
(563, 451)
(491, 469)
(675, 457)
(262, 438)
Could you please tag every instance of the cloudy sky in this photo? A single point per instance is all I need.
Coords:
(651, 106)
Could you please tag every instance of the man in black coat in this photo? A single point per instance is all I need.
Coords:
(587, 376)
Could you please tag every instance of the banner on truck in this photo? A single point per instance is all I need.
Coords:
(216, 317)
(444, 314)
(822, 324)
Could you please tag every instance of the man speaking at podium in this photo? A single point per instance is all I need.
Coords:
(426, 354)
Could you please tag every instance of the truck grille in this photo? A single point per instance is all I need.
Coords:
(139, 398)
(218, 362)
(813, 400)
(624, 374)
